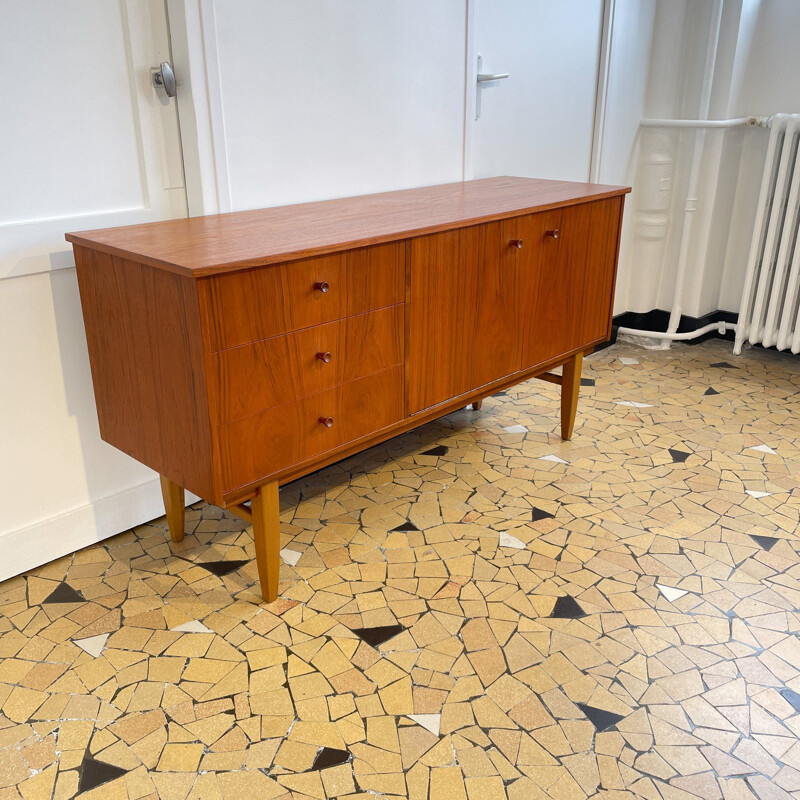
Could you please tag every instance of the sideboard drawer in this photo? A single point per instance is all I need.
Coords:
(252, 448)
(258, 376)
(255, 304)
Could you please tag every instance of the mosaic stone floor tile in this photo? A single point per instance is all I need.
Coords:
(330, 757)
(378, 635)
(553, 457)
(64, 593)
(567, 608)
(763, 448)
(507, 540)
(601, 719)
(670, 592)
(414, 650)
(93, 645)
(431, 722)
(94, 773)
(767, 542)
(678, 456)
(221, 568)
(406, 526)
(291, 557)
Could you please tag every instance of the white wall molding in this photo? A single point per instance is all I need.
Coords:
(201, 114)
(470, 89)
(215, 105)
(601, 94)
(80, 527)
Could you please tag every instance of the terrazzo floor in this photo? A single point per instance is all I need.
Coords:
(473, 610)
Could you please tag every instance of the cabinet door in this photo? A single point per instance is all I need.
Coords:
(567, 269)
(464, 320)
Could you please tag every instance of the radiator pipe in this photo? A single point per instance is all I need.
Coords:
(736, 122)
(719, 327)
(694, 175)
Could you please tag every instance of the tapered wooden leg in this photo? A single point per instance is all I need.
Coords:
(266, 534)
(175, 506)
(570, 388)
(476, 406)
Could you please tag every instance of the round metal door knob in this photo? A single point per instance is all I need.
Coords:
(326, 357)
(516, 243)
(322, 286)
(326, 421)
(554, 234)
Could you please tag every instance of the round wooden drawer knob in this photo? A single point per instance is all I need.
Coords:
(326, 357)
(322, 286)
(552, 234)
(326, 421)
(516, 243)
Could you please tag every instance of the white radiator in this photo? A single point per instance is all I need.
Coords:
(770, 310)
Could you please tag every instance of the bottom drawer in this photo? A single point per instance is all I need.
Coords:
(258, 446)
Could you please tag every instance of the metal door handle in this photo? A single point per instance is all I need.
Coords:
(164, 77)
(485, 77)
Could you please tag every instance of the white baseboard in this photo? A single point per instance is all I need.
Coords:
(48, 539)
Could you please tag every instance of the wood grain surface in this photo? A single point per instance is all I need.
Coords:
(465, 312)
(258, 376)
(566, 283)
(255, 447)
(223, 242)
(267, 301)
(148, 370)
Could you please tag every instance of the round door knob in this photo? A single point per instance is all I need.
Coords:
(552, 234)
(326, 357)
(322, 286)
(326, 421)
(516, 243)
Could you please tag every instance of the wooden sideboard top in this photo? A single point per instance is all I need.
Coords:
(220, 243)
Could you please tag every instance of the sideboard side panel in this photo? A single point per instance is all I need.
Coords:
(146, 354)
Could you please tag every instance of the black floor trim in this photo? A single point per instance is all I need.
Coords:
(658, 320)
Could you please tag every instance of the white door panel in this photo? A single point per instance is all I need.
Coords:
(312, 99)
(86, 140)
(537, 123)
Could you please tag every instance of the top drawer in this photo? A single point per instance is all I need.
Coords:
(255, 304)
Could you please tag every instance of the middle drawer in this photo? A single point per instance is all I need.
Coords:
(254, 377)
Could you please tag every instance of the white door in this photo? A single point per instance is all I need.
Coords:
(312, 99)
(539, 121)
(86, 140)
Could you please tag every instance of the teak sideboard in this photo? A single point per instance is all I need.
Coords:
(235, 352)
